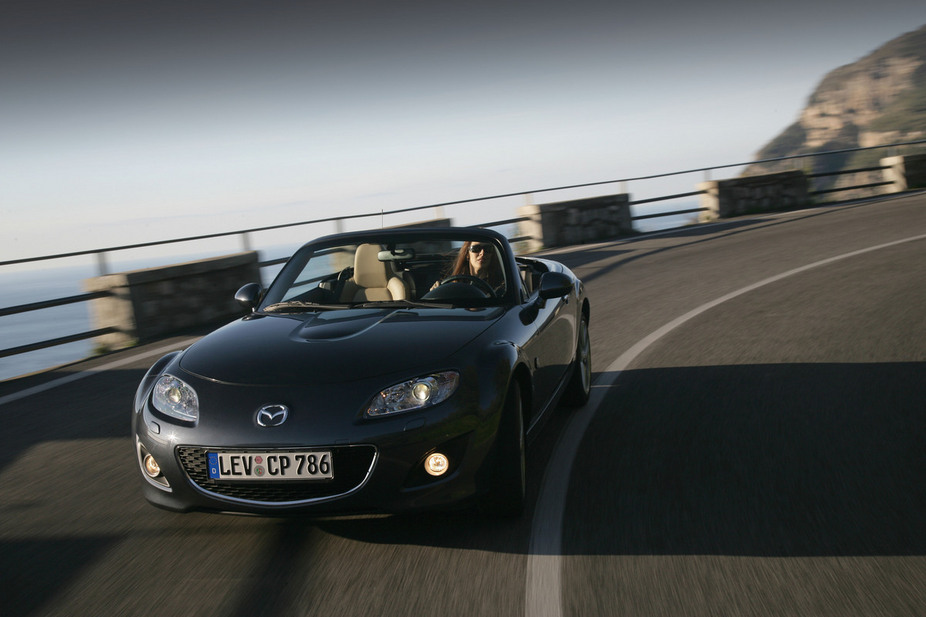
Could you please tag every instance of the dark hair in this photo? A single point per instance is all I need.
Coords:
(461, 265)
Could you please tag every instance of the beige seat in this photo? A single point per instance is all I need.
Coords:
(372, 279)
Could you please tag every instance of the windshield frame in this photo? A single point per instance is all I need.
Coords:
(454, 237)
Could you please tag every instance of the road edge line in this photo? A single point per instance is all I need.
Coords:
(543, 585)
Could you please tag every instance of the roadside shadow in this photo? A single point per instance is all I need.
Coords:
(96, 407)
(759, 460)
(33, 571)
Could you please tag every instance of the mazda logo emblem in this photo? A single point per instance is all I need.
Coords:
(272, 415)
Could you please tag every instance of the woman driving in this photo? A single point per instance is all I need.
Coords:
(478, 260)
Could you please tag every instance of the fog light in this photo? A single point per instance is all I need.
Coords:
(436, 464)
(151, 466)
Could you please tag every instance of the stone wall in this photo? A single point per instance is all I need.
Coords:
(906, 172)
(145, 304)
(576, 222)
(753, 194)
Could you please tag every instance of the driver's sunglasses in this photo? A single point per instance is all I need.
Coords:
(478, 248)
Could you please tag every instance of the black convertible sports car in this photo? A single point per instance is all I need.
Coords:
(381, 371)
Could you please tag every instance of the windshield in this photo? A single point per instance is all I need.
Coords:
(420, 272)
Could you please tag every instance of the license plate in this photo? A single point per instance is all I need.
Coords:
(251, 466)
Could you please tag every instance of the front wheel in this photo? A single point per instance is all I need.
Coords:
(509, 478)
(580, 383)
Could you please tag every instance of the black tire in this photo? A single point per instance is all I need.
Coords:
(505, 497)
(580, 383)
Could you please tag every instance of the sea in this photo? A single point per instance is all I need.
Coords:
(39, 284)
(24, 328)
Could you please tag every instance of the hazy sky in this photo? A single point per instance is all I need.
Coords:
(134, 121)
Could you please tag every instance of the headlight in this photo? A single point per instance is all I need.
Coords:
(175, 398)
(415, 394)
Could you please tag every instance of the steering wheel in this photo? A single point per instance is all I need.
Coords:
(475, 281)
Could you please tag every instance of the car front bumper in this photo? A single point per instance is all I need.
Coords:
(382, 470)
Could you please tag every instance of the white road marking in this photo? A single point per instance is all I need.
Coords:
(160, 351)
(544, 593)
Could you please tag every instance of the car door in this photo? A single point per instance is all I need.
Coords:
(550, 345)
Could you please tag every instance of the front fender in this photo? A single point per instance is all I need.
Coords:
(497, 365)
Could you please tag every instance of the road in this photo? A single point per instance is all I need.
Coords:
(755, 445)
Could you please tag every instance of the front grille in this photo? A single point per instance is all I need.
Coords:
(351, 466)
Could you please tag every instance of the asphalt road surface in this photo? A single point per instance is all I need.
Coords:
(755, 445)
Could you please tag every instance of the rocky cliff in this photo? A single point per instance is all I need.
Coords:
(880, 99)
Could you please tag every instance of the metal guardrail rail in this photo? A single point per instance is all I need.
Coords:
(338, 220)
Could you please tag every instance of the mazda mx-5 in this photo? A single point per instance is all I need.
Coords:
(381, 371)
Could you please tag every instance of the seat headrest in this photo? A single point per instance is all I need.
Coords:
(369, 271)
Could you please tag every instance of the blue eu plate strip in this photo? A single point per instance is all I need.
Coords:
(213, 460)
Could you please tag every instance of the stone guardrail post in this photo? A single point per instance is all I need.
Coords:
(753, 194)
(145, 304)
(576, 222)
(906, 172)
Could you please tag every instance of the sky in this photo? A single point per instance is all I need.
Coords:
(131, 121)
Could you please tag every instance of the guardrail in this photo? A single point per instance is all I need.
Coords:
(245, 234)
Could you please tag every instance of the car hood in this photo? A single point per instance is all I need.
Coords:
(334, 346)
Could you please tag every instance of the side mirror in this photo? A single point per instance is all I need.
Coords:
(249, 295)
(555, 285)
